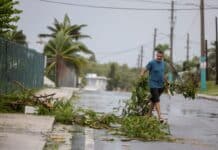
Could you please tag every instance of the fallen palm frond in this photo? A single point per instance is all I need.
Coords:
(17, 100)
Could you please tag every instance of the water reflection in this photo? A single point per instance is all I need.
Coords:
(102, 101)
(89, 139)
(185, 108)
(199, 113)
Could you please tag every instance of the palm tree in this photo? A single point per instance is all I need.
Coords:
(66, 27)
(60, 50)
(16, 36)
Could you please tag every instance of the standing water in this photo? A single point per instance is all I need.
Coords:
(193, 121)
(102, 101)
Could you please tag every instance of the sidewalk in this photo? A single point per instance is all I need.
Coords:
(60, 93)
(208, 97)
(28, 132)
(24, 132)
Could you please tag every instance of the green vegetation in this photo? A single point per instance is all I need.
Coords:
(14, 102)
(137, 127)
(6, 105)
(121, 77)
(62, 110)
(95, 120)
(8, 20)
(51, 145)
(8, 15)
(145, 128)
(74, 31)
(212, 62)
(66, 113)
(94, 67)
(187, 85)
(64, 49)
(17, 36)
(61, 50)
(138, 104)
(212, 89)
(113, 79)
(132, 123)
(191, 64)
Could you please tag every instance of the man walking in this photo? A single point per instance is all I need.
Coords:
(156, 69)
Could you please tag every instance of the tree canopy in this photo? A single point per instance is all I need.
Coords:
(8, 15)
(63, 48)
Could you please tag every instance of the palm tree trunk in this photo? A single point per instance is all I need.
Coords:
(58, 70)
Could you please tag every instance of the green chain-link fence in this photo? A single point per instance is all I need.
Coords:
(18, 63)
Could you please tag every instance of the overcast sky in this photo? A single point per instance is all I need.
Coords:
(117, 35)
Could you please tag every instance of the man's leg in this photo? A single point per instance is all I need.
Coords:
(154, 97)
(157, 106)
(150, 109)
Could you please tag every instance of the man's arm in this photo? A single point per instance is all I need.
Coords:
(146, 69)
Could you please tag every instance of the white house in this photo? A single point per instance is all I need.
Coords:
(95, 83)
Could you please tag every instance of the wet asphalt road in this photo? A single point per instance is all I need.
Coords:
(195, 122)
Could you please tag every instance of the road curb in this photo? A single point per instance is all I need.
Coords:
(208, 97)
(24, 131)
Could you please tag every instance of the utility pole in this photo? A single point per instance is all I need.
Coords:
(138, 61)
(154, 44)
(141, 60)
(187, 52)
(216, 52)
(203, 58)
(172, 22)
(171, 31)
(206, 55)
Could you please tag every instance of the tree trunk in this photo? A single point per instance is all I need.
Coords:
(59, 62)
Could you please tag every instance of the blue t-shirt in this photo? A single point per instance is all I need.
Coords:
(156, 73)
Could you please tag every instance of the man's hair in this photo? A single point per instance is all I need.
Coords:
(159, 51)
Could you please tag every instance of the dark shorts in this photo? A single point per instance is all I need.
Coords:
(155, 94)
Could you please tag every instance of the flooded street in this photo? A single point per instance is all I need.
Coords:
(103, 101)
(194, 123)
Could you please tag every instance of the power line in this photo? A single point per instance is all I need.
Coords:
(124, 8)
(168, 3)
(153, 2)
(192, 22)
(130, 49)
(181, 37)
(161, 2)
(189, 27)
(121, 51)
(176, 3)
